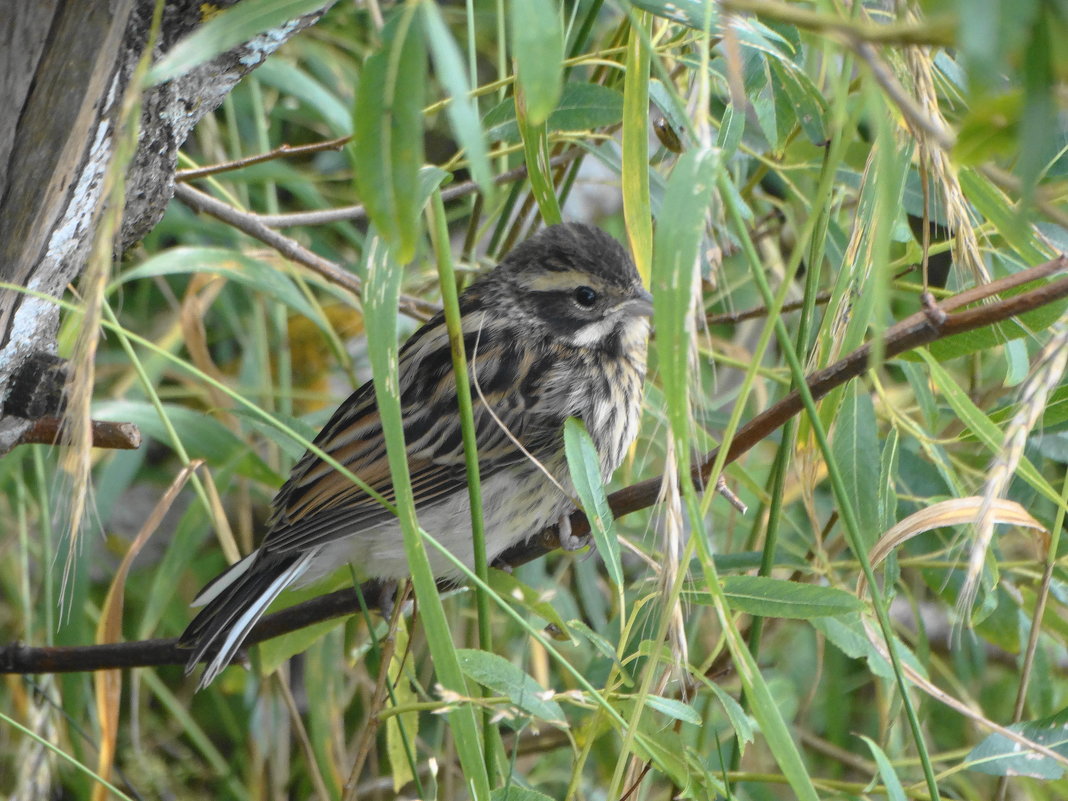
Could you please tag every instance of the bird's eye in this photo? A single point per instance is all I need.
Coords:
(585, 297)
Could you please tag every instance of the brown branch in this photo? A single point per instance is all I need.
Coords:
(282, 151)
(359, 212)
(116, 436)
(249, 224)
(932, 323)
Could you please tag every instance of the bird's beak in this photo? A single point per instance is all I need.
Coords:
(640, 305)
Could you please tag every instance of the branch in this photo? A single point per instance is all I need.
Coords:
(116, 436)
(249, 223)
(934, 322)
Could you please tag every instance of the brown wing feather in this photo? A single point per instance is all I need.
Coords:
(317, 504)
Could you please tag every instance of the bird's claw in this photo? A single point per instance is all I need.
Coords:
(568, 540)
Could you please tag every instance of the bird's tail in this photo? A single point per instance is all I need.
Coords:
(233, 603)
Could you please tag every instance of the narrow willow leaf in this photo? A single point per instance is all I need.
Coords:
(403, 729)
(292, 448)
(585, 467)
(1025, 325)
(536, 149)
(381, 296)
(504, 678)
(298, 84)
(690, 13)
(277, 651)
(730, 131)
(582, 107)
(673, 708)
(637, 209)
(1003, 214)
(892, 784)
(462, 109)
(847, 633)
(226, 30)
(513, 792)
(997, 755)
(769, 597)
(886, 510)
(854, 445)
(538, 48)
(506, 585)
(740, 722)
(980, 425)
(1040, 107)
(806, 99)
(231, 264)
(679, 231)
(202, 436)
(387, 147)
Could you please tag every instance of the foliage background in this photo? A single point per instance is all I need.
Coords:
(790, 148)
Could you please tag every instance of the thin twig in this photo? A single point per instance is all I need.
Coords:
(249, 224)
(282, 151)
(303, 219)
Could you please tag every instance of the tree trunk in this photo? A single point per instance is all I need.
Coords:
(64, 68)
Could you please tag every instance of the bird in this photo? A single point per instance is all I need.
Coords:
(558, 329)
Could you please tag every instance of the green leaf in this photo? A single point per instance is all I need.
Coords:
(230, 264)
(808, 105)
(504, 678)
(514, 792)
(894, 790)
(847, 634)
(539, 173)
(998, 210)
(730, 131)
(886, 509)
(462, 109)
(300, 85)
(203, 437)
(690, 13)
(290, 446)
(387, 148)
(997, 755)
(585, 467)
(854, 445)
(679, 231)
(977, 422)
(1025, 325)
(227, 30)
(381, 296)
(506, 585)
(538, 49)
(740, 722)
(673, 708)
(637, 208)
(275, 652)
(989, 130)
(582, 107)
(770, 597)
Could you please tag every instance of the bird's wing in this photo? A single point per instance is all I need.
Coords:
(318, 504)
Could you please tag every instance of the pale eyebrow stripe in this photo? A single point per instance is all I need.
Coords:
(557, 281)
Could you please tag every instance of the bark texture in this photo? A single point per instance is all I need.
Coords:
(65, 66)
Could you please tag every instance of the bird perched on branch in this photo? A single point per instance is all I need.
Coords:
(557, 330)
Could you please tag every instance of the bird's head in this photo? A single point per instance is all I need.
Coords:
(580, 284)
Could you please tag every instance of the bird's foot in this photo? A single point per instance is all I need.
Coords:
(568, 540)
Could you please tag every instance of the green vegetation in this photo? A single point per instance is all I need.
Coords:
(870, 628)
